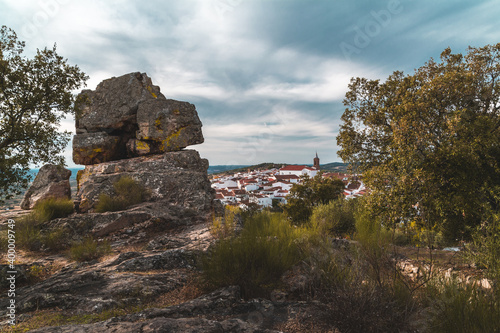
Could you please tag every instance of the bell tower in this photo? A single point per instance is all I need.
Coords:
(316, 162)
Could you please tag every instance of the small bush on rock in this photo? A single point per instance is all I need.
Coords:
(29, 233)
(225, 226)
(89, 249)
(128, 192)
(53, 208)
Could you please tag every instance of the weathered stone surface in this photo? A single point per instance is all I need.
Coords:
(177, 178)
(128, 117)
(52, 181)
(169, 259)
(181, 325)
(113, 105)
(93, 148)
(93, 289)
(170, 124)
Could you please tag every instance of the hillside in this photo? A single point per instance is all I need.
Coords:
(229, 169)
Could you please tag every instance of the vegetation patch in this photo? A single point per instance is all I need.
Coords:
(29, 229)
(127, 192)
(89, 249)
(256, 259)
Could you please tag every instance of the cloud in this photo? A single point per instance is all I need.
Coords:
(260, 72)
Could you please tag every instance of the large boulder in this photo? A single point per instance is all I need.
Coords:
(175, 178)
(127, 117)
(113, 105)
(92, 148)
(52, 181)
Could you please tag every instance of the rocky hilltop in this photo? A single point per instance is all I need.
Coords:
(127, 129)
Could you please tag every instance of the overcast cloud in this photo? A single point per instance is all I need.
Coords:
(267, 77)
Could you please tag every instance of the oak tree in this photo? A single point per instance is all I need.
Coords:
(35, 95)
(428, 144)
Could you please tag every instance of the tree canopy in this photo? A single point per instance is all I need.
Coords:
(309, 194)
(35, 94)
(428, 144)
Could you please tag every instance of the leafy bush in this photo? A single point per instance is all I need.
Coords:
(53, 208)
(127, 193)
(255, 260)
(223, 227)
(360, 283)
(336, 217)
(89, 249)
(309, 194)
(484, 251)
(459, 307)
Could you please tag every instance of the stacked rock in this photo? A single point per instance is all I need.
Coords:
(126, 127)
(127, 117)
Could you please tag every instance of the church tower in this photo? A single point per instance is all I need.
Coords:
(316, 162)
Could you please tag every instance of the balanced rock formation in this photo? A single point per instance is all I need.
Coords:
(127, 128)
(52, 181)
(127, 117)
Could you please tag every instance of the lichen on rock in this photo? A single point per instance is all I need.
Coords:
(128, 116)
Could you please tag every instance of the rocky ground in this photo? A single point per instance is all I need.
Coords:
(151, 285)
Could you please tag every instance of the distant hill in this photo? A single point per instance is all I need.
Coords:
(335, 167)
(214, 169)
(228, 169)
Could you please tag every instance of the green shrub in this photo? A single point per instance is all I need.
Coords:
(89, 249)
(369, 309)
(28, 234)
(53, 208)
(459, 307)
(127, 192)
(256, 259)
(484, 251)
(54, 240)
(223, 227)
(336, 217)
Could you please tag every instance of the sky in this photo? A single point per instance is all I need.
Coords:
(267, 77)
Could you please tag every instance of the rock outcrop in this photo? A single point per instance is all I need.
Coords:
(52, 181)
(177, 178)
(127, 117)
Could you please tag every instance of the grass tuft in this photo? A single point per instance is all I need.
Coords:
(53, 208)
(127, 191)
(89, 249)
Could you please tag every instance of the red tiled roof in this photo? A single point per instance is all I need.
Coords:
(283, 177)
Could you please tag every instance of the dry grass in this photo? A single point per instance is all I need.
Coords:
(189, 291)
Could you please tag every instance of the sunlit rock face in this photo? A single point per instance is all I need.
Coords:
(127, 117)
(52, 181)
